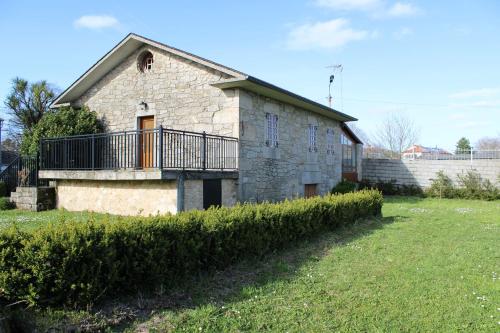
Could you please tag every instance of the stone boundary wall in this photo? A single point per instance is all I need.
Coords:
(33, 198)
(421, 172)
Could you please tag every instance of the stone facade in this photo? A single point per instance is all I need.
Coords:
(118, 197)
(277, 173)
(177, 92)
(34, 198)
(421, 172)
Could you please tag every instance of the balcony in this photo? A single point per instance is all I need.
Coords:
(142, 154)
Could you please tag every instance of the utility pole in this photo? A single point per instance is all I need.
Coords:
(1, 125)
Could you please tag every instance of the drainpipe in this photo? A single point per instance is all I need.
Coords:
(180, 192)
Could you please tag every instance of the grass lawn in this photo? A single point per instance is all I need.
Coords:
(427, 265)
(26, 220)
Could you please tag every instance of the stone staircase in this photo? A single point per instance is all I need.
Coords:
(34, 198)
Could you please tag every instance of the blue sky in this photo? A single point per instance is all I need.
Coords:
(435, 61)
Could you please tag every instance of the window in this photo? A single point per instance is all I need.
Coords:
(330, 141)
(271, 130)
(313, 130)
(145, 62)
(348, 156)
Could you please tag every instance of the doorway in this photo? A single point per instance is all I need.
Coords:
(310, 190)
(212, 193)
(146, 141)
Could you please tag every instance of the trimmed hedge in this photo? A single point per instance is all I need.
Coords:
(77, 263)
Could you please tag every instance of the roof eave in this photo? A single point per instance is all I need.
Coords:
(267, 89)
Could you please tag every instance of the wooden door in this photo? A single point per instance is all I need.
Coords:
(310, 190)
(146, 125)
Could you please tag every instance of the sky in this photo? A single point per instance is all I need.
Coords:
(436, 62)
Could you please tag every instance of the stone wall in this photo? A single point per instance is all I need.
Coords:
(421, 172)
(118, 197)
(276, 173)
(177, 91)
(193, 193)
(33, 198)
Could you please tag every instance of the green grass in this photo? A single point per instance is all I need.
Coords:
(427, 265)
(26, 220)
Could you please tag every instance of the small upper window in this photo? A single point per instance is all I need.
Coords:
(145, 63)
(313, 130)
(271, 130)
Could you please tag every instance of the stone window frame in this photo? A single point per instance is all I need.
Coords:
(330, 141)
(271, 130)
(313, 137)
(145, 61)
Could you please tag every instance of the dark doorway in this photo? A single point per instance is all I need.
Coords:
(212, 193)
(310, 190)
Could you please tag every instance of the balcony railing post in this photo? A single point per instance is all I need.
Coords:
(65, 152)
(160, 147)
(183, 151)
(204, 151)
(92, 158)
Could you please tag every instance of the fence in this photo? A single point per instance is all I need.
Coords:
(156, 148)
(22, 172)
(435, 155)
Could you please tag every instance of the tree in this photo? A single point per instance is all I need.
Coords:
(397, 133)
(488, 143)
(10, 145)
(463, 146)
(62, 122)
(27, 103)
(360, 133)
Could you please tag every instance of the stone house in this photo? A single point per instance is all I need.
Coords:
(184, 132)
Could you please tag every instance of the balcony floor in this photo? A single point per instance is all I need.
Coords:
(127, 174)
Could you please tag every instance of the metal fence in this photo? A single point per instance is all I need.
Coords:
(22, 172)
(436, 155)
(142, 149)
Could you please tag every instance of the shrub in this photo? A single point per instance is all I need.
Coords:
(62, 122)
(391, 188)
(441, 186)
(75, 263)
(3, 189)
(344, 186)
(470, 186)
(6, 204)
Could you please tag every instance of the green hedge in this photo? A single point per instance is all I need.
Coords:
(77, 263)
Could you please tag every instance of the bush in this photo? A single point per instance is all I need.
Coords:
(441, 187)
(470, 186)
(391, 188)
(6, 204)
(76, 263)
(344, 186)
(62, 122)
(3, 189)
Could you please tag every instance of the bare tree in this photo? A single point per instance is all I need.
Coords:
(488, 143)
(397, 133)
(360, 133)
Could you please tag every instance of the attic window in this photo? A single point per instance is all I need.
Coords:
(145, 63)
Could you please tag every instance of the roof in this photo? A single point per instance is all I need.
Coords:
(422, 149)
(239, 79)
(350, 133)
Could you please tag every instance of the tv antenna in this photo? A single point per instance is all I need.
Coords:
(336, 69)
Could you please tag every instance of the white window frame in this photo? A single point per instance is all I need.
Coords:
(271, 130)
(330, 141)
(313, 136)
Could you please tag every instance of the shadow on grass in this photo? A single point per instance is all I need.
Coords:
(213, 287)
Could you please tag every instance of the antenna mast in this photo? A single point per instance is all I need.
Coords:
(338, 68)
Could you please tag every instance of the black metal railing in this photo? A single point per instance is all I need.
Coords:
(142, 149)
(23, 172)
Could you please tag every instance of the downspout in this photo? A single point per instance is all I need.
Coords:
(180, 192)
